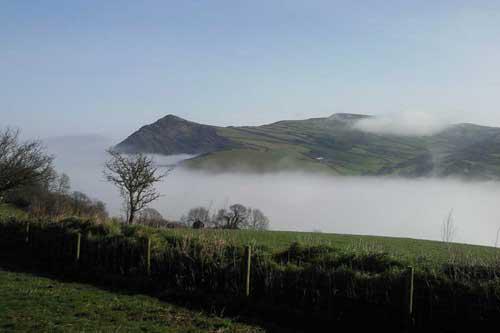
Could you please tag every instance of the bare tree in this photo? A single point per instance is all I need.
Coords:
(448, 229)
(196, 215)
(135, 177)
(257, 220)
(22, 163)
(236, 217)
(239, 217)
(79, 202)
(150, 214)
(59, 191)
(218, 219)
(62, 184)
(151, 217)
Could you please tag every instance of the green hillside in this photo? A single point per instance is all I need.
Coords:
(29, 303)
(330, 145)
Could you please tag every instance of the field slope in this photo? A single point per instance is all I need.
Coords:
(36, 304)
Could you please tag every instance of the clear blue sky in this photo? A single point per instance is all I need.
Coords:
(108, 67)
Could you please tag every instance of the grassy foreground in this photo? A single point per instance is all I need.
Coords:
(35, 304)
(317, 277)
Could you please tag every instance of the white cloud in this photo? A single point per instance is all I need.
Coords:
(403, 123)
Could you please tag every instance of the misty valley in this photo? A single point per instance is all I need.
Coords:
(295, 214)
(250, 166)
(304, 201)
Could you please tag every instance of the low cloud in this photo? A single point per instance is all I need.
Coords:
(171, 160)
(305, 201)
(403, 124)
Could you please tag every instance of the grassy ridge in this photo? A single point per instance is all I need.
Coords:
(331, 145)
(37, 304)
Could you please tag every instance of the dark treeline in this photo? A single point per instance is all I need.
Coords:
(236, 217)
(41, 200)
(29, 181)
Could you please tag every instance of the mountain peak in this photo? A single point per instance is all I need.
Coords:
(172, 117)
(172, 135)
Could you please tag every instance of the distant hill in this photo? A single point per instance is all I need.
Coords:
(331, 145)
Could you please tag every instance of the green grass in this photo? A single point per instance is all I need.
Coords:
(8, 210)
(288, 269)
(411, 250)
(36, 304)
(260, 161)
(294, 145)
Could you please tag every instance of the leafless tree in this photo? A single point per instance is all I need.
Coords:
(257, 220)
(150, 214)
(197, 214)
(59, 191)
(62, 184)
(135, 177)
(236, 217)
(448, 229)
(151, 217)
(22, 163)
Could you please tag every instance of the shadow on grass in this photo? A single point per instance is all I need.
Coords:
(261, 312)
(238, 309)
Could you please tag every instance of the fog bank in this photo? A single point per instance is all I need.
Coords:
(306, 202)
(403, 123)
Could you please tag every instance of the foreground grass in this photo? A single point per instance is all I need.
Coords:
(36, 304)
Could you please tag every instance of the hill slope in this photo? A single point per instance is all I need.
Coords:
(332, 145)
(31, 303)
(173, 135)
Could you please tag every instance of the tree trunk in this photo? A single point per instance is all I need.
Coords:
(131, 217)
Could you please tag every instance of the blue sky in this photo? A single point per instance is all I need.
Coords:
(77, 67)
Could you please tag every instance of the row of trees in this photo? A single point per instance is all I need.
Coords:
(237, 216)
(29, 181)
(135, 177)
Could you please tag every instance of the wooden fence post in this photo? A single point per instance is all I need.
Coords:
(410, 281)
(78, 246)
(148, 257)
(248, 266)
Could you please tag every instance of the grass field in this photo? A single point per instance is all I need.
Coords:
(37, 304)
(413, 251)
(7, 210)
(291, 271)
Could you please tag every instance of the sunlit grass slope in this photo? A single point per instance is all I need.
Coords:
(35, 304)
